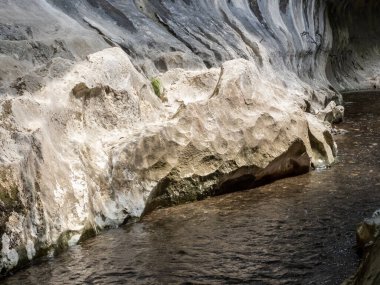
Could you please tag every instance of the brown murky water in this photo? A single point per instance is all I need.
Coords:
(295, 231)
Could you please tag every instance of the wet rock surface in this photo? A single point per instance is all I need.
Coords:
(88, 143)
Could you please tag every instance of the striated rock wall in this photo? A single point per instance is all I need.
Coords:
(355, 58)
(292, 36)
(86, 144)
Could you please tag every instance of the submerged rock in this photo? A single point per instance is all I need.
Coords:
(368, 231)
(367, 236)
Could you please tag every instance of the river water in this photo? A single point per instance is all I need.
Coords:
(299, 230)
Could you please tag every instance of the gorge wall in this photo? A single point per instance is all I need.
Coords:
(244, 93)
(354, 60)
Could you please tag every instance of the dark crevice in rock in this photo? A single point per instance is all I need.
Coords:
(317, 146)
(173, 33)
(115, 13)
(252, 46)
(254, 6)
(105, 37)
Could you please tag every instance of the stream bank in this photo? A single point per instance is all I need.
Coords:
(299, 230)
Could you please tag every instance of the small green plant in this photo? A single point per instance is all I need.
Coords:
(156, 84)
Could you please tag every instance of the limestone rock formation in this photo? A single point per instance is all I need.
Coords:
(332, 113)
(97, 146)
(54, 158)
(86, 144)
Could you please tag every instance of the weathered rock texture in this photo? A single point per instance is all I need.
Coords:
(367, 235)
(355, 57)
(87, 144)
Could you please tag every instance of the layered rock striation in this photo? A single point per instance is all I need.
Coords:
(241, 96)
(355, 57)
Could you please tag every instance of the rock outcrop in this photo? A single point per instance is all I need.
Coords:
(367, 235)
(96, 146)
(54, 158)
(241, 98)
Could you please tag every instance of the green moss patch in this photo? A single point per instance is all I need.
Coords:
(156, 84)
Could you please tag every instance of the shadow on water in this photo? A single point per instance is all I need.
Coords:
(299, 230)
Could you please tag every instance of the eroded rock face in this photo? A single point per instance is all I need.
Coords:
(332, 113)
(87, 144)
(97, 146)
(246, 122)
(37, 42)
(354, 62)
(54, 153)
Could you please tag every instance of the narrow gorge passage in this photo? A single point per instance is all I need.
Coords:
(299, 230)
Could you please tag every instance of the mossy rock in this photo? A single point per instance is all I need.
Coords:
(156, 84)
(159, 89)
(88, 233)
(81, 90)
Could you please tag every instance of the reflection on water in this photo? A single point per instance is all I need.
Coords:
(295, 231)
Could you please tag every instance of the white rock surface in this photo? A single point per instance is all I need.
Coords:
(96, 145)
(86, 144)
